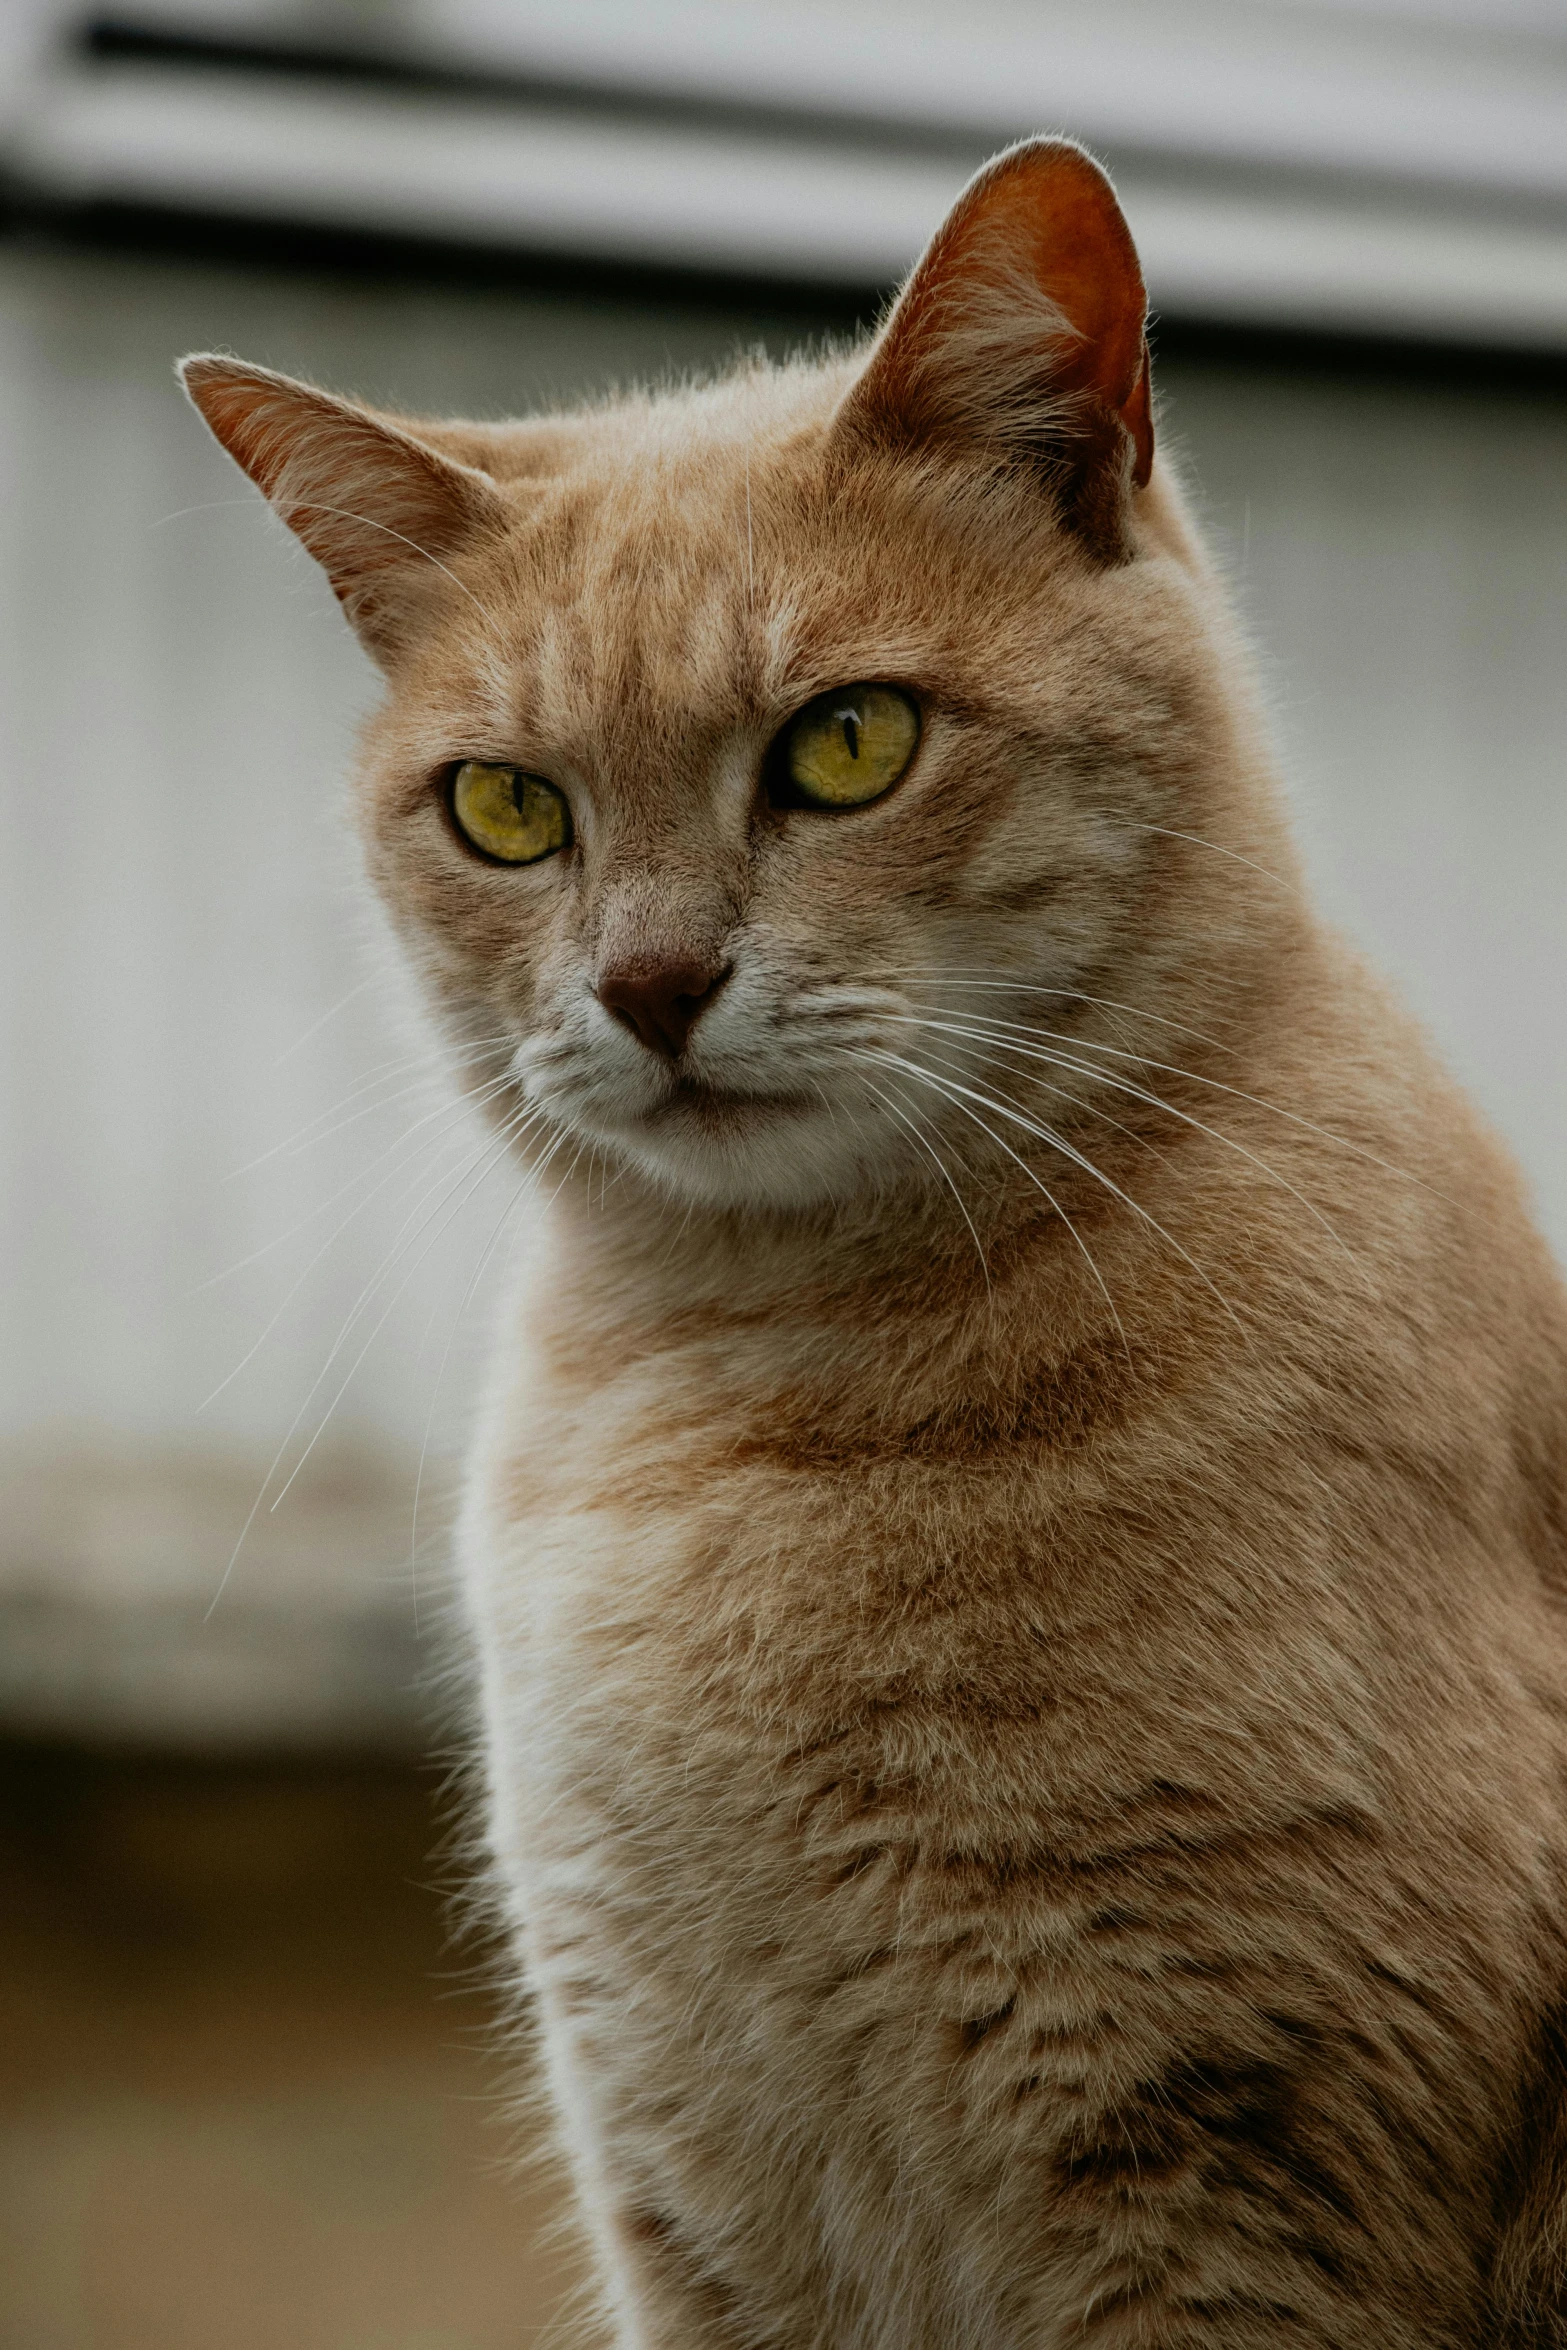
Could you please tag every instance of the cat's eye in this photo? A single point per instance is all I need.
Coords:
(846, 747)
(509, 813)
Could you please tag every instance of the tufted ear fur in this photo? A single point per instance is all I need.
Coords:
(374, 504)
(1021, 333)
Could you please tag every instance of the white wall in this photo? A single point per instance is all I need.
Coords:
(178, 908)
(1402, 556)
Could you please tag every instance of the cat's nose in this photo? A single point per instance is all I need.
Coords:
(661, 1003)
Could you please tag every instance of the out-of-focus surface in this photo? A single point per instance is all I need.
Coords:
(245, 2093)
(1392, 166)
(207, 1065)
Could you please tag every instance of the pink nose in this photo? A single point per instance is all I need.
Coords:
(661, 1003)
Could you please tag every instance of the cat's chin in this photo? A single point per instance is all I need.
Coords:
(734, 1150)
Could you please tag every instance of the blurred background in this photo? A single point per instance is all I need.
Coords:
(246, 1244)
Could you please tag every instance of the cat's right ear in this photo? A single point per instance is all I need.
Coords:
(1020, 335)
(374, 504)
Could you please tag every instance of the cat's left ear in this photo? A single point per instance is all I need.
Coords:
(1021, 334)
(381, 510)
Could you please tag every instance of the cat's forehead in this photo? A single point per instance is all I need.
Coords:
(755, 405)
(676, 486)
(672, 571)
(634, 596)
(695, 562)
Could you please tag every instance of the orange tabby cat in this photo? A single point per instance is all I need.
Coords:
(1017, 1541)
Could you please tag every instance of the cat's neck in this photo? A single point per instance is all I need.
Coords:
(1034, 1265)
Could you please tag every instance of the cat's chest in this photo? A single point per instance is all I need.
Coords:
(660, 1535)
(642, 1546)
(699, 1640)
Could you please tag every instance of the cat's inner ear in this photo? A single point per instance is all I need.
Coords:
(381, 510)
(1021, 332)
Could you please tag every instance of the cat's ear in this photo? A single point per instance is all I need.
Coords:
(1021, 333)
(374, 504)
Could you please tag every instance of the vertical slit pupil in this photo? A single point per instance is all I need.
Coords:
(517, 781)
(851, 733)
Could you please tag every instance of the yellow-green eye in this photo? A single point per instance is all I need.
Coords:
(508, 813)
(848, 747)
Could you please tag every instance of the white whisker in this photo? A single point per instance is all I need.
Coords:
(908, 1121)
(1074, 995)
(1120, 1084)
(1080, 1159)
(449, 1114)
(316, 1026)
(290, 506)
(464, 1191)
(479, 1165)
(430, 1067)
(945, 1086)
(1214, 1085)
(1167, 832)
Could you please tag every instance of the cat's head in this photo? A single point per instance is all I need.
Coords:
(765, 764)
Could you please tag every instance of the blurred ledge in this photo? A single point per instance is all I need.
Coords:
(1462, 94)
(478, 172)
(111, 1559)
(1466, 264)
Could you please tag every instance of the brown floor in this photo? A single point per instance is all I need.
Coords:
(246, 2096)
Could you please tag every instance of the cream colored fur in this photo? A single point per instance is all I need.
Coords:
(1017, 1538)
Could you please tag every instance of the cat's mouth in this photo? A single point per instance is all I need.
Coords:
(710, 1103)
